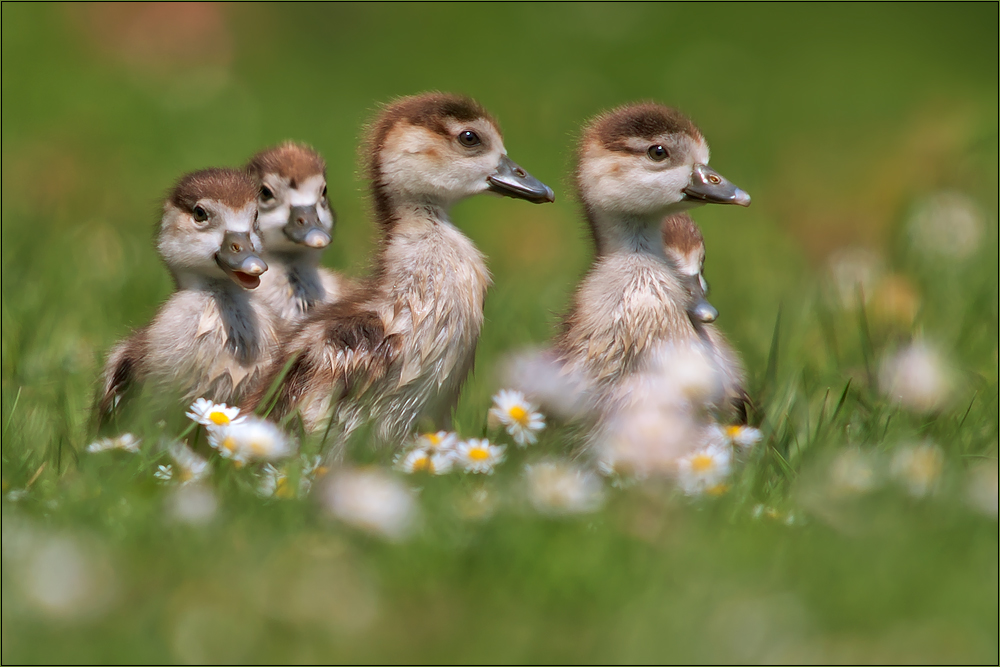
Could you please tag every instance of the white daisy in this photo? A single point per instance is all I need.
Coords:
(918, 377)
(250, 439)
(440, 441)
(557, 488)
(164, 473)
(125, 442)
(918, 467)
(517, 415)
(192, 468)
(853, 472)
(207, 413)
(372, 501)
(426, 460)
(705, 470)
(274, 482)
(743, 436)
(478, 455)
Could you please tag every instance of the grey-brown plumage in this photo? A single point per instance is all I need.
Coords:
(397, 350)
(638, 165)
(209, 339)
(296, 225)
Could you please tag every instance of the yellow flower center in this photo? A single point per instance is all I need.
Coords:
(433, 438)
(702, 462)
(229, 444)
(479, 454)
(218, 417)
(519, 414)
(258, 447)
(733, 431)
(282, 489)
(718, 489)
(423, 463)
(185, 475)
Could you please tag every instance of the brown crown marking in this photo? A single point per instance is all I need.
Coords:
(290, 160)
(681, 233)
(233, 187)
(646, 120)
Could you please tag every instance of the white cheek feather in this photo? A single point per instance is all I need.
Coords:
(308, 192)
(689, 264)
(700, 152)
(275, 218)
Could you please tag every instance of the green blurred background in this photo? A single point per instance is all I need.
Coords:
(839, 119)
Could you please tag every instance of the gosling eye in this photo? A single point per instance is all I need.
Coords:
(324, 191)
(468, 138)
(658, 153)
(200, 214)
(266, 194)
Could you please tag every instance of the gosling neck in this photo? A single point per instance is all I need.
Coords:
(626, 234)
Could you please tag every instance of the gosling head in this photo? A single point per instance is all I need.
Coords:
(294, 212)
(685, 246)
(209, 229)
(647, 161)
(437, 149)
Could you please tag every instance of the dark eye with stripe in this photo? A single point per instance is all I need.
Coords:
(266, 194)
(200, 214)
(658, 153)
(468, 138)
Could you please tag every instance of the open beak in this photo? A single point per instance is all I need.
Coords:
(304, 227)
(708, 186)
(511, 180)
(237, 258)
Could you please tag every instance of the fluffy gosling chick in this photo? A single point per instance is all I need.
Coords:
(397, 351)
(638, 164)
(210, 338)
(296, 224)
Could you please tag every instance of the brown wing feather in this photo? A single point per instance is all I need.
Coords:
(121, 371)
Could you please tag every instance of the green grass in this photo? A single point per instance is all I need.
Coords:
(838, 119)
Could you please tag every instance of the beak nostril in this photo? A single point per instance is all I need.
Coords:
(235, 247)
(300, 221)
(521, 173)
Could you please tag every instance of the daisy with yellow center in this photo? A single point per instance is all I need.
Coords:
(513, 411)
(426, 460)
(918, 467)
(190, 466)
(440, 441)
(743, 436)
(704, 470)
(479, 455)
(250, 439)
(207, 413)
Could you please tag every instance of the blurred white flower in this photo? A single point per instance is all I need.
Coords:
(705, 470)
(917, 467)
(251, 439)
(946, 224)
(852, 268)
(192, 467)
(479, 455)
(513, 411)
(440, 441)
(372, 501)
(743, 436)
(853, 472)
(125, 442)
(481, 503)
(274, 482)
(917, 377)
(67, 578)
(424, 460)
(647, 440)
(981, 490)
(207, 413)
(546, 382)
(164, 473)
(558, 487)
(193, 504)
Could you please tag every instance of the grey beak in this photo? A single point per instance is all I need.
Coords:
(238, 259)
(699, 310)
(710, 187)
(304, 227)
(511, 180)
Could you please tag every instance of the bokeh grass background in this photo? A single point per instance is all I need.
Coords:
(840, 120)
